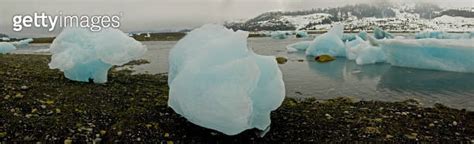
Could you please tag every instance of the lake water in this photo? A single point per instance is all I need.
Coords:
(340, 77)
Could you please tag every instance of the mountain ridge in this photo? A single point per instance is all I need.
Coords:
(416, 17)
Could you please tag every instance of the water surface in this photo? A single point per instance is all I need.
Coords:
(340, 77)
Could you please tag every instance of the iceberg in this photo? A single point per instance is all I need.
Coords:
(299, 46)
(22, 43)
(363, 35)
(6, 47)
(279, 35)
(348, 37)
(434, 54)
(84, 55)
(381, 34)
(217, 82)
(368, 54)
(351, 46)
(5, 39)
(442, 35)
(363, 52)
(329, 43)
(301, 34)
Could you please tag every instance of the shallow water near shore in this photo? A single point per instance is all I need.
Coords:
(306, 78)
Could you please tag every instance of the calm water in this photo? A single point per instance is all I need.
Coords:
(340, 77)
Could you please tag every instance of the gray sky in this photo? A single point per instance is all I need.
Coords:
(158, 15)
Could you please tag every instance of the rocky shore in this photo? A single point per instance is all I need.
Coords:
(40, 105)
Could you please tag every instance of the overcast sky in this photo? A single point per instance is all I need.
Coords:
(157, 15)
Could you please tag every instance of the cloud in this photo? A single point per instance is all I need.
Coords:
(169, 14)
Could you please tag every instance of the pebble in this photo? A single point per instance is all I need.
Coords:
(328, 116)
(24, 87)
(68, 141)
(103, 132)
(404, 113)
(97, 140)
(455, 123)
(19, 95)
(432, 125)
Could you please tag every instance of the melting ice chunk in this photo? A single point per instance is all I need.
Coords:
(381, 34)
(301, 34)
(218, 83)
(83, 55)
(6, 47)
(22, 43)
(279, 35)
(299, 46)
(329, 43)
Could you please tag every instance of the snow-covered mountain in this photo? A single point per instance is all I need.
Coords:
(403, 17)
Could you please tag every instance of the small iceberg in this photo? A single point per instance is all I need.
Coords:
(217, 82)
(84, 55)
(301, 34)
(279, 35)
(299, 46)
(6, 47)
(329, 43)
(22, 43)
(381, 34)
(5, 39)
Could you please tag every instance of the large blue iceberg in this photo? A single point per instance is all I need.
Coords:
(6, 47)
(435, 54)
(84, 55)
(217, 82)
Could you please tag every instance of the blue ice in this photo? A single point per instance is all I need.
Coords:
(301, 34)
(329, 43)
(6, 47)
(434, 54)
(217, 82)
(381, 34)
(279, 35)
(84, 55)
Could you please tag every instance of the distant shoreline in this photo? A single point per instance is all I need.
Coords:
(175, 36)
